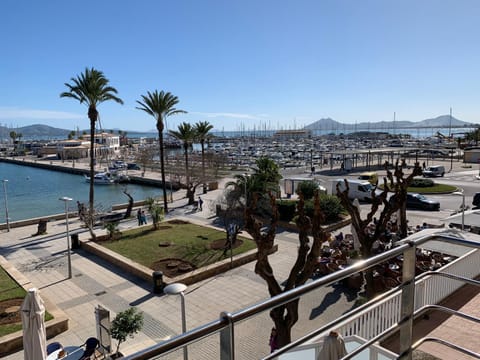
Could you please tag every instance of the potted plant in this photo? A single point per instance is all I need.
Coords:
(126, 324)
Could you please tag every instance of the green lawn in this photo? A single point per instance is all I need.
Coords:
(186, 241)
(9, 289)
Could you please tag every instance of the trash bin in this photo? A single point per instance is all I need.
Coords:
(75, 241)
(158, 284)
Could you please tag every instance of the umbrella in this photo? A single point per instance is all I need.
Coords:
(356, 242)
(33, 323)
(333, 347)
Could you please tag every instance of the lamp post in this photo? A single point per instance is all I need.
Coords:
(69, 261)
(6, 202)
(463, 206)
(179, 289)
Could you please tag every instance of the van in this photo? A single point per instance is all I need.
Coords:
(357, 189)
(371, 177)
(434, 171)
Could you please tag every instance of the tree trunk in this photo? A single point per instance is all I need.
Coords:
(93, 118)
(162, 165)
(128, 213)
(202, 143)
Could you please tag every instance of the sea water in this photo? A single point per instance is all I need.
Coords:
(33, 192)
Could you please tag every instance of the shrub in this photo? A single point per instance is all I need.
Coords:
(126, 324)
(330, 205)
(307, 188)
(419, 182)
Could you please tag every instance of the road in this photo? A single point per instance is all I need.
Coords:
(463, 178)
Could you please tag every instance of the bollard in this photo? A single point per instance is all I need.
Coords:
(158, 283)
(75, 241)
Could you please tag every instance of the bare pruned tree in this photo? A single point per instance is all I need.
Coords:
(263, 233)
(395, 182)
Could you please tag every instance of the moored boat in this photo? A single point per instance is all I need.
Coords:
(103, 178)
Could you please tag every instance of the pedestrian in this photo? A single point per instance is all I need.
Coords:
(143, 218)
(273, 342)
(139, 217)
(200, 203)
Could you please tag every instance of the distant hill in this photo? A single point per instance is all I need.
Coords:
(440, 121)
(43, 132)
(36, 131)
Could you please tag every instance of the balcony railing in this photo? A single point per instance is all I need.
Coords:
(373, 321)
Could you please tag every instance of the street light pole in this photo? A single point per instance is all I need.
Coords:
(6, 203)
(69, 257)
(462, 193)
(179, 289)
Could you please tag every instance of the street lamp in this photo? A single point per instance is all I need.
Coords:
(66, 200)
(6, 203)
(179, 289)
(463, 206)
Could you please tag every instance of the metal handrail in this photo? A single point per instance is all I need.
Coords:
(224, 323)
(446, 343)
(367, 306)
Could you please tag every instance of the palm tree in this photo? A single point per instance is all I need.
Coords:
(160, 105)
(202, 128)
(186, 133)
(91, 88)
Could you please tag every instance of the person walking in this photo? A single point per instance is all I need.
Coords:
(143, 218)
(139, 217)
(200, 203)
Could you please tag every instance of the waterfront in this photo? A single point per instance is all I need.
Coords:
(34, 192)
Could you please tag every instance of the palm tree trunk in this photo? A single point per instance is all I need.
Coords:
(202, 143)
(162, 170)
(190, 190)
(92, 166)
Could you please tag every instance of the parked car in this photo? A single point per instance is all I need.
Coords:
(133, 166)
(371, 177)
(420, 202)
(433, 171)
(476, 200)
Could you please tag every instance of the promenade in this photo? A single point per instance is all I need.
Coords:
(43, 261)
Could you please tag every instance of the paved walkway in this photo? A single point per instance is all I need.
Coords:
(43, 260)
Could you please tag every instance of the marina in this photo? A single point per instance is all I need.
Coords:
(34, 192)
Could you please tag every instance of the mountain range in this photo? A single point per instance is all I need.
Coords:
(440, 121)
(39, 131)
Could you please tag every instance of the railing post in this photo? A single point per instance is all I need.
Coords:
(227, 338)
(408, 303)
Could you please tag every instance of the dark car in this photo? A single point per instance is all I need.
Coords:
(133, 166)
(420, 202)
(476, 200)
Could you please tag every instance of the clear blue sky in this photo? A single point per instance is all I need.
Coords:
(240, 64)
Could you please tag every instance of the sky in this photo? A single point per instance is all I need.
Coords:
(242, 65)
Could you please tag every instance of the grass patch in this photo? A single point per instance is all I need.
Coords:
(435, 189)
(9, 289)
(185, 241)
